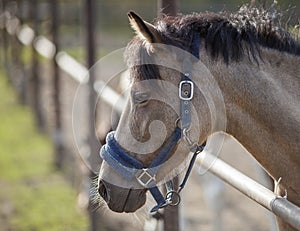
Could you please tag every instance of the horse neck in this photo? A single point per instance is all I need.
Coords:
(262, 108)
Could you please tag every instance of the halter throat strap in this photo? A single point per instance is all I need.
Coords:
(186, 85)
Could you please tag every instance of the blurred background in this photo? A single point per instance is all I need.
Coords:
(46, 48)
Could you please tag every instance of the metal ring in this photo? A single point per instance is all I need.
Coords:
(171, 195)
(177, 122)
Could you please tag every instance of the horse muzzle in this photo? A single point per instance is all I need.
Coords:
(133, 170)
(121, 199)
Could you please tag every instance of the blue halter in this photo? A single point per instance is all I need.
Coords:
(131, 168)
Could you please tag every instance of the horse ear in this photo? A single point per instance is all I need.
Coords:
(145, 30)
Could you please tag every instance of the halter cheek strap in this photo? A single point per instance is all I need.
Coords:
(186, 94)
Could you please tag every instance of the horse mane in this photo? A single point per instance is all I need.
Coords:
(227, 35)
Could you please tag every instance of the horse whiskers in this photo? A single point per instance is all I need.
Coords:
(96, 202)
(94, 180)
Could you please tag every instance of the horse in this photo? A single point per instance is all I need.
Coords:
(191, 77)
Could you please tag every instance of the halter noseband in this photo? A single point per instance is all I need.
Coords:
(131, 168)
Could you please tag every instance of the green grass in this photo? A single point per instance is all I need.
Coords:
(41, 199)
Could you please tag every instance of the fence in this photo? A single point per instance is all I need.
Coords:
(56, 122)
(41, 83)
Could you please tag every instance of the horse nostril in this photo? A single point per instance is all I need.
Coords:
(102, 191)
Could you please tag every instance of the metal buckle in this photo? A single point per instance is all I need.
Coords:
(145, 177)
(173, 198)
(186, 90)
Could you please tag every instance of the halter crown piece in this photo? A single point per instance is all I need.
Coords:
(130, 168)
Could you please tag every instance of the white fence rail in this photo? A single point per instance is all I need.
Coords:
(255, 191)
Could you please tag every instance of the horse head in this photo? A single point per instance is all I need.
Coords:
(177, 100)
(159, 125)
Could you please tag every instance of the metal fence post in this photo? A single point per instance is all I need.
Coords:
(168, 7)
(35, 80)
(58, 142)
(4, 39)
(91, 47)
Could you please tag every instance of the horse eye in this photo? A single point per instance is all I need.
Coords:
(141, 97)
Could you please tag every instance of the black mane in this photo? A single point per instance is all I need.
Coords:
(229, 35)
(225, 35)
